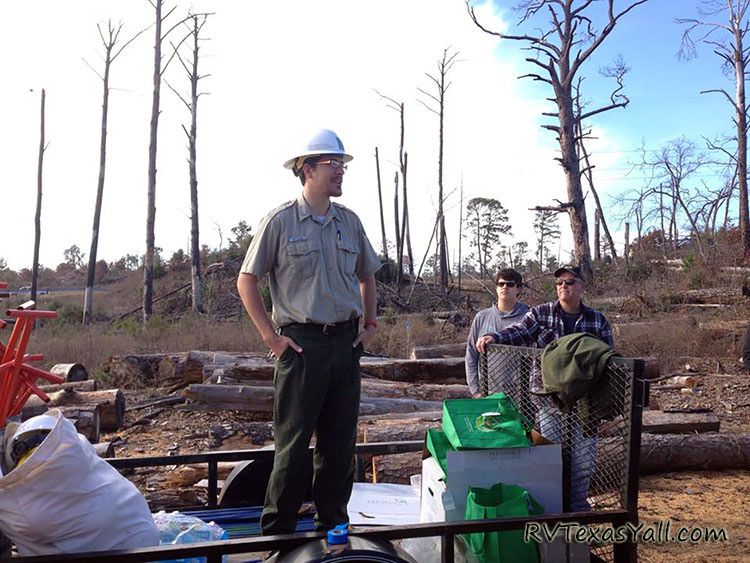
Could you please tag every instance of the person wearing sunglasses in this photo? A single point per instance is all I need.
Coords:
(541, 326)
(506, 311)
(320, 268)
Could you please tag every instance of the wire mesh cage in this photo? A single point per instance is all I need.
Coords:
(595, 434)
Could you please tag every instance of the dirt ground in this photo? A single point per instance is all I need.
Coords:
(693, 500)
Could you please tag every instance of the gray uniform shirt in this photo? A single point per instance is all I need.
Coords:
(314, 267)
(486, 321)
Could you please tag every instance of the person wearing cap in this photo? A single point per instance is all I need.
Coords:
(507, 311)
(320, 268)
(540, 326)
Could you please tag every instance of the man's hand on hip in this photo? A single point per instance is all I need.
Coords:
(280, 343)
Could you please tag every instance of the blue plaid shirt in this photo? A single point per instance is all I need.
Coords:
(544, 324)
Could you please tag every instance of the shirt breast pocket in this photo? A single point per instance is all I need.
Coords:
(304, 257)
(347, 256)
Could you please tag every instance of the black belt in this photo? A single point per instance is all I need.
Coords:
(331, 328)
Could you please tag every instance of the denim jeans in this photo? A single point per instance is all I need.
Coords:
(582, 452)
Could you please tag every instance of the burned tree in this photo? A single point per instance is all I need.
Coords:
(191, 69)
(110, 54)
(380, 202)
(560, 49)
(444, 66)
(727, 40)
(405, 232)
(38, 214)
(159, 68)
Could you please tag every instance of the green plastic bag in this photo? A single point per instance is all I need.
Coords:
(501, 501)
(491, 422)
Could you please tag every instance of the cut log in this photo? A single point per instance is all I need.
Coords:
(110, 401)
(260, 399)
(86, 418)
(248, 371)
(424, 391)
(71, 372)
(378, 405)
(184, 368)
(88, 385)
(452, 350)
(240, 397)
(658, 422)
(426, 371)
(675, 452)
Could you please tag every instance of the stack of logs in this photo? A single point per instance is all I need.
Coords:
(92, 410)
(402, 398)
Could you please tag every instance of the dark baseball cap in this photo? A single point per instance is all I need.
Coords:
(575, 270)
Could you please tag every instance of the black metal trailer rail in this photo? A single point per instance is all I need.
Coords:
(213, 551)
(447, 531)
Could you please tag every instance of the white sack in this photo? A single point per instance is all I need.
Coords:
(65, 499)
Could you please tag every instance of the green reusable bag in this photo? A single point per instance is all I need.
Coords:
(491, 422)
(438, 445)
(501, 501)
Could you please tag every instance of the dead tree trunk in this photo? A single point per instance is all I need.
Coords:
(444, 65)
(109, 44)
(195, 249)
(560, 48)
(159, 68)
(148, 259)
(399, 256)
(380, 202)
(734, 56)
(38, 214)
(191, 69)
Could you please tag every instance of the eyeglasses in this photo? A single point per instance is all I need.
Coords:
(558, 283)
(505, 284)
(336, 165)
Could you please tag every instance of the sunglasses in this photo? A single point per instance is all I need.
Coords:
(565, 282)
(506, 284)
(334, 164)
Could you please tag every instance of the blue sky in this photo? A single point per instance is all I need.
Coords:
(281, 69)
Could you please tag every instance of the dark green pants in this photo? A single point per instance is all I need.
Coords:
(316, 391)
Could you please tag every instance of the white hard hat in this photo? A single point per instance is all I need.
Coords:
(324, 141)
(29, 434)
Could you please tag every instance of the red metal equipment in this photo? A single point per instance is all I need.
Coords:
(17, 377)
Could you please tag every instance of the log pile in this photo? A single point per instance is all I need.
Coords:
(91, 411)
(260, 399)
(173, 371)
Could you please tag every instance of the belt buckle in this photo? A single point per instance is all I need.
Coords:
(327, 328)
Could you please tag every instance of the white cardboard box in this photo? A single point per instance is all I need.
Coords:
(538, 469)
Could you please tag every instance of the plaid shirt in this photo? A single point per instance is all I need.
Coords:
(544, 324)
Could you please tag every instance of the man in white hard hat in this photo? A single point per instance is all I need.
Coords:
(321, 270)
